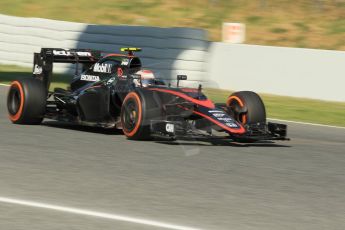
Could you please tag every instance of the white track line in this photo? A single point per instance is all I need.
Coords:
(274, 119)
(95, 214)
(307, 123)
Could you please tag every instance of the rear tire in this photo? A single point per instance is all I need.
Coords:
(26, 101)
(138, 109)
(246, 107)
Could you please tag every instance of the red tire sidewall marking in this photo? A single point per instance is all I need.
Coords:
(17, 116)
(240, 102)
(135, 96)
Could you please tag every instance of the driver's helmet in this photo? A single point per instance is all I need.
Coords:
(147, 78)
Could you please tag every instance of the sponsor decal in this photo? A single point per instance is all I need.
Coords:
(111, 80)
(232, 125)
(69, 53)
(169, 128)
(89, 78)
(225, 119)
(37, 69)
(102, 68)
(218, 114)
(215, 111)
(125, 61)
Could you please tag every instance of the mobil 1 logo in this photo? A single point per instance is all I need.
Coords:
(102, 68)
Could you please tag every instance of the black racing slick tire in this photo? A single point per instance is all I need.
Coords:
(139, 108)
(246, 107)
(26, 101)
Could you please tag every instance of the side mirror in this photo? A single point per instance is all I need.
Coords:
(181, 77)
(138, 77)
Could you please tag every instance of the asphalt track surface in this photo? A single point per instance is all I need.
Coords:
(298, 184)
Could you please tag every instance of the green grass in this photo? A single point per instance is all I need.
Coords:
(301, 26)
(278, 30)
(337, 27)
(266, 21)
(280, 107)
(254, 19)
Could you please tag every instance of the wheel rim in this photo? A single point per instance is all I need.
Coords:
(130, 115)
(236, 105)
(14, 101)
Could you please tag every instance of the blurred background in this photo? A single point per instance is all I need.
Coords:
(300, 23)
(279, 74)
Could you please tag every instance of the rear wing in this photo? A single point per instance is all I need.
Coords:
(43, 61)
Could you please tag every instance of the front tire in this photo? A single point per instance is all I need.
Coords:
(246, 107)
(26, 101)
(137, 111)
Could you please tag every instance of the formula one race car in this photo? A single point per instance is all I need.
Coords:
(113, 91)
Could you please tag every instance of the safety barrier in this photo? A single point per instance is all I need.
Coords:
(309, 73)
(167, 51)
